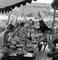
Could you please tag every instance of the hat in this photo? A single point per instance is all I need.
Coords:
(10, 27)
(22, 24)
(41, 21)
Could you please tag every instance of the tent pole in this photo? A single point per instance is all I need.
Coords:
(8, 19)
(53, 25)
(16, 18)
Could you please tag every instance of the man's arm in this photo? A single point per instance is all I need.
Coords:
(5, 38)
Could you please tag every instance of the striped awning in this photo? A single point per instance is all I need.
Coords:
(8, 5)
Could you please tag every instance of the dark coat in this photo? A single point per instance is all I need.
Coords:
(44, 27)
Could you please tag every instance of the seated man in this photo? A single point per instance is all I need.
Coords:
(19, 34)
(4, 41)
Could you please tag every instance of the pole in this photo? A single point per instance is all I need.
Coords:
(8, 19)
(17, 18)
(53, 24)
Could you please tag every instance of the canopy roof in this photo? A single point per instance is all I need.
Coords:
(8, 5)
(5, 3)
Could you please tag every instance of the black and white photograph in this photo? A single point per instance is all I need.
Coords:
(28, 29)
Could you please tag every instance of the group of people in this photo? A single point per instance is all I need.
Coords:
(14, 32)
(18, 32)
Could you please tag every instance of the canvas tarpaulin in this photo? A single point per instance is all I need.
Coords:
(8, 5)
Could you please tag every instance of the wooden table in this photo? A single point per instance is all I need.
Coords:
(19, 57)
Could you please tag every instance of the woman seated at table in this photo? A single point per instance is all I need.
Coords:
(45, 30)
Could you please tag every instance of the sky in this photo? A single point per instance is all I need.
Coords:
(43, 1)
